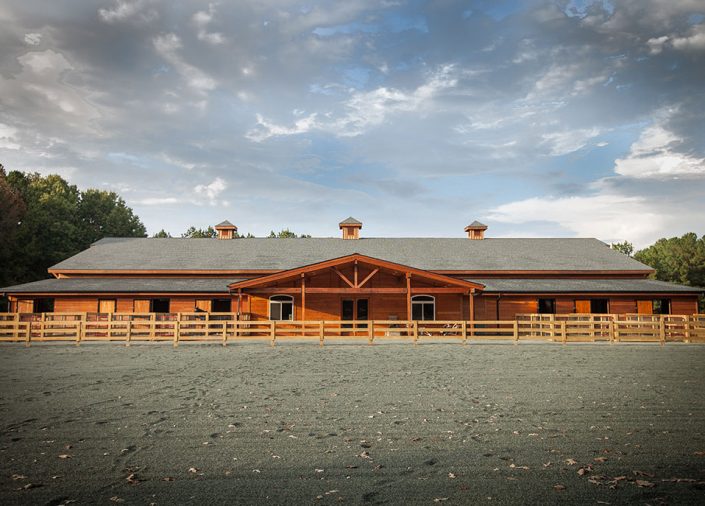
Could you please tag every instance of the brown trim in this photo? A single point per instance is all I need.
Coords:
(547, 273)
(121, 294)
(165, 272)
(593, 294)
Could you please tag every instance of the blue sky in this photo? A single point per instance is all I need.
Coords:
(580, 118)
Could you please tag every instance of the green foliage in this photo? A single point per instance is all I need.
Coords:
(162, 234)
(287, 234)
(678, 259)
(57, 221)
(200, 233)
(623, 247)
(104, 214)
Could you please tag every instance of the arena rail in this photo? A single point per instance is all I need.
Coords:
(225, 328)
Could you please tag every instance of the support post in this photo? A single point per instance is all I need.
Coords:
(371, 331)
(303, 300)
(408, 296)
(239, 303)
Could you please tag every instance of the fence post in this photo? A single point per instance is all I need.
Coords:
(129, 333)
(662, 330)
(272, 332)
(28, 339)
(516, 331)
(78, 333)
(176, 333)
(225, 332)
(564, 334)
(371, 331)
(415, 330)
(152, 326)
(41, 328)
(616, 330)
(321, 332)
(465, 331)
(687, 328)
(610, 330)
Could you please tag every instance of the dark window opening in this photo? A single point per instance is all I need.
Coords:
(662, 306)
(221, 305)
(423, 307)
(281, 307)
(362, 309)
(547, 306)
(159, 306)
(348, 310)
(4, 305)
(599, 306)
(44, 305)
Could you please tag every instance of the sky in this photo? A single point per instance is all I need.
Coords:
(541, 119)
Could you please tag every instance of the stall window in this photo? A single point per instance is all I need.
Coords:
(423, 307)
(547, 306)
(281, 307)
(662, 306)
(44, 305)
(159, 306)
(599, 306)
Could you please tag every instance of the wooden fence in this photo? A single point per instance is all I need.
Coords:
(226, 328)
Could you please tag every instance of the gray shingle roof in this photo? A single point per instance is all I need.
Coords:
(225, 224)
(279, 254)
(126, 285)
(582, 285)
(350, 221)
(476, 224)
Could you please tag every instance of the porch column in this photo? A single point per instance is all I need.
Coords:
(239, 303)
(408, 296)
(471, 299)
(303, 297)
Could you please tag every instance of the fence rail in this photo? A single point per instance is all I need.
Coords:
(225, 328)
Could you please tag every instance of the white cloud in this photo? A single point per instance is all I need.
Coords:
(124, 10)
(608, 216)
(156, 201)
(363, 109)
(562, 143)
(202, 19)
(653, 156)
(693, 41)
(33, 39)
(212, 191)
(7, 137)
(167, 46)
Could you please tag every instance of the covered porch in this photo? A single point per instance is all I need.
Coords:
(355, 288)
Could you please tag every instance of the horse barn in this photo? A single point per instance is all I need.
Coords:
(353, 278)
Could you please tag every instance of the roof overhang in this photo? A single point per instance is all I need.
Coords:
(360, 259)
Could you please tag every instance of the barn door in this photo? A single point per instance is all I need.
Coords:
(644, 307)
(203, 305)
(582, 306)
(25, 306)
(106, 306)
(141, 306)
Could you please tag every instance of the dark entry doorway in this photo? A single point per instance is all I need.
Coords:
(355, 309)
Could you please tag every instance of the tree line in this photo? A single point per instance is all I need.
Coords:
(44, 220)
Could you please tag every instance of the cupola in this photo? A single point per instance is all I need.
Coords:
(351, 228)
(226, 230)
(476, 230)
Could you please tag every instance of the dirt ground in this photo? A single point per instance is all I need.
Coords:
(394, 424)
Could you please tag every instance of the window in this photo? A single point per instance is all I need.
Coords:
(220, 305)
(599, 306)
(43, 305)
(423, 307)
(281, 307)
(662, 306)
(547, 306)
(159, 306)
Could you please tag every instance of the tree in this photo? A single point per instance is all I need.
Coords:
(287, 234)
(12, 209)
(623, 247)
(162, 234)
(678, 259)
(57, 221)
(105, 214)
(200, 233)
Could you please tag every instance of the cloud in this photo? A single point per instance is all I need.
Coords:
(202, 19)
(33, 39)
(7, 137)
(123, 10)
(363, 110)
(167, 46)
(562, 143)
(212, 191)
(654, 155)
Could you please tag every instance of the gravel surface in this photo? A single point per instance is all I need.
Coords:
(393, 423)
